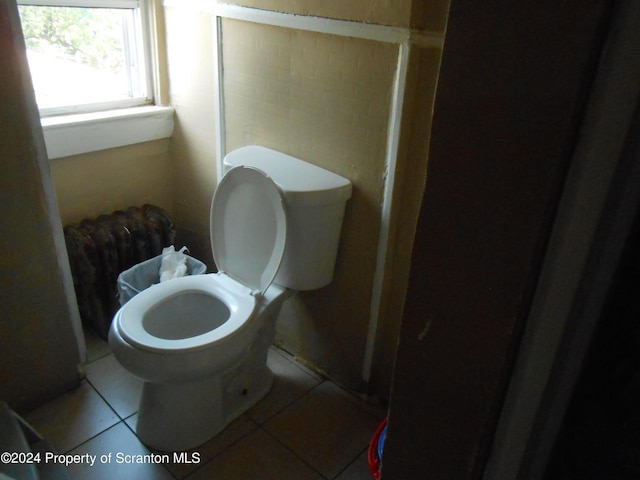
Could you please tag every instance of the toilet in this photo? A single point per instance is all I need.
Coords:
(200, 343)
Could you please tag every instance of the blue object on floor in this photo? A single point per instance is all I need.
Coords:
(374, 453)
(383, 434)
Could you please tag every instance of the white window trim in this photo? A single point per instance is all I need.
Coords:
(77, 133)
(148, 63)
(90, 132)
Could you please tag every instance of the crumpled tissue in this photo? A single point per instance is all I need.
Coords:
(174, 263)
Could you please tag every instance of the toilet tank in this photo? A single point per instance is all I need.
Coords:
(315, 202)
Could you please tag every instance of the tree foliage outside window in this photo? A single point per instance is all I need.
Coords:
(86, 35)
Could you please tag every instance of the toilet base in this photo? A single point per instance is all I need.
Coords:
(179, 416)
(176, 417)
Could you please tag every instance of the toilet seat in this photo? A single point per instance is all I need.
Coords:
(134, 319)
(248, 235)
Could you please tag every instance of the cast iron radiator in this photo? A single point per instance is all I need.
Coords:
(99, 249)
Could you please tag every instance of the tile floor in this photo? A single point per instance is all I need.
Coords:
(305, 428)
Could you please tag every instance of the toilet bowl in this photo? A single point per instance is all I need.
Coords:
(200, 343)
(156, 347)
(201, 369)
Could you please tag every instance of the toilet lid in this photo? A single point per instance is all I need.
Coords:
(248, 227)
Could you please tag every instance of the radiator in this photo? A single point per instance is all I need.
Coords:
(99, 249)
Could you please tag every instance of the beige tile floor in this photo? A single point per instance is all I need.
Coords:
(305, 428)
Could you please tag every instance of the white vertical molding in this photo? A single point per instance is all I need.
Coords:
(153, 15)
(393, 141)
(220, 127)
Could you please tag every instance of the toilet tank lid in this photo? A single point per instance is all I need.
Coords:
(302, 183)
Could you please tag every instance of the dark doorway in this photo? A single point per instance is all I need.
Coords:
(600, 437)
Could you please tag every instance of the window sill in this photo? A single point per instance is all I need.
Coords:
(89, 132)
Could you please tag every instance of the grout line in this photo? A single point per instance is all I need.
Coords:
(351, 399)
(361, 402)
(131, 430)
(258, 425)
(228, 447)
(290, 357)
(130, 427)
(92, 437)
(291, 451)
(105, 400)
(354, 460)
(285, 407)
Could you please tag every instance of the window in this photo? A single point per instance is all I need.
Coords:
(86, 55)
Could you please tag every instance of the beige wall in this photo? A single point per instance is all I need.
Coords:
(324, 99)
(190, 54)
(327, 99)
(94, 183)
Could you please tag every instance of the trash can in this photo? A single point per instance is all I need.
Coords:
(147, 273)
(374, 455)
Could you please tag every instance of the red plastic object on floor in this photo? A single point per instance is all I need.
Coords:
(374, 453)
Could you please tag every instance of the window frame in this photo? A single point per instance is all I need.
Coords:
(142, 31)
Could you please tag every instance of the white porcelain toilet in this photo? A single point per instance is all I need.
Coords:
(200, 343)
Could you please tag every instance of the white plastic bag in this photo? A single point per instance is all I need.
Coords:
(174, 263)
